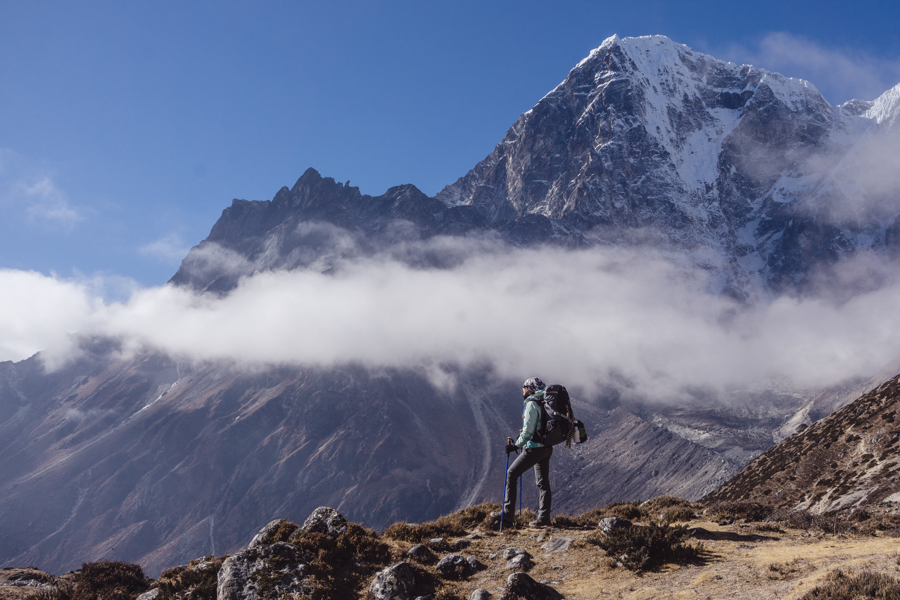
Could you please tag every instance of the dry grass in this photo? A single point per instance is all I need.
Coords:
(754, 561)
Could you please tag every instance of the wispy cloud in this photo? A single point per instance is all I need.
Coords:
(170, 249)
(590, 318)
(841, 74)
(29, 187)
(46, 202)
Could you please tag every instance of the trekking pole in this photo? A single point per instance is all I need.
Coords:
(520, 492)
(520, 496)
(503, 497)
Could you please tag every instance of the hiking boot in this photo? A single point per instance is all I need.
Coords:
(495, 521)
(540, 523)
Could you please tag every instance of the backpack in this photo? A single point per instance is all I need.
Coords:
(556, 416)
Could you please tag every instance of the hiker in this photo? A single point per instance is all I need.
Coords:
(536, 455)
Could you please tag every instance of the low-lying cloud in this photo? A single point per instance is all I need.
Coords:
(587, 318)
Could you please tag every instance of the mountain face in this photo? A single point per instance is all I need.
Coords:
(143, 458)
(648, 139)
(847, 460)
(153, 461)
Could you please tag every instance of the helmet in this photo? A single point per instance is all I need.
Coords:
(533, 384)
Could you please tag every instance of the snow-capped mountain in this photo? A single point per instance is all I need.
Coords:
(647, 139)
(646, 142)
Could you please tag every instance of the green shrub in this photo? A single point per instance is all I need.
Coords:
(859, 586)
(644, 548)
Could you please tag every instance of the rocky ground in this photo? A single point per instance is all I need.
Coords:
(327, 557)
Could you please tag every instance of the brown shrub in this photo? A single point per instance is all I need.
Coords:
(644, 548)
(590, 519)
(109, 580)
(668, 509)
(749, 511)
(341, 565)
(455, 524)
(807, 521)
(190, 583)
(859, 586)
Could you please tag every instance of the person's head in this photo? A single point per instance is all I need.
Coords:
(532, 385)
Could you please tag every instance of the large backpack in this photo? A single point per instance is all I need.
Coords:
(556, 416)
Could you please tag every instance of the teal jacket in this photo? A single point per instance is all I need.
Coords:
(531, 421)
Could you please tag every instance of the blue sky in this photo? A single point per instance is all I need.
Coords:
(126, 127)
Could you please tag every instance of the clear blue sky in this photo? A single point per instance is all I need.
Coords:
(126, 127)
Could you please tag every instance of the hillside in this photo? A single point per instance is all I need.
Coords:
(458, 557)
(130, 453)
(848, 460)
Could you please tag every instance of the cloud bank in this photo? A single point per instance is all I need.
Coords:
(589, 318)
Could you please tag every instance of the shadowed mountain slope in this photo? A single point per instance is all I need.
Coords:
(848, 459)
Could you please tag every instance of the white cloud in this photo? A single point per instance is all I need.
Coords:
(27, 186)
(170, 248)
(46, 202)
(586, 318)
(40, 312)
(841, 74)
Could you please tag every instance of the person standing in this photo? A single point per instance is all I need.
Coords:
(536, 455)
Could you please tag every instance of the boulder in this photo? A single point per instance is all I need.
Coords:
(520, 562)
(513, 552)
(421, 554)
(473, 562)
(326, 521)
(480, 594)
(151, 595)
(520, 586)
(557, 544)
(608, 524)
(455, 566)
(265, 535)
(263, 572)
(461, 544)
(394, 583)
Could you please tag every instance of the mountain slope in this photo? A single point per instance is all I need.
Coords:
(847, 460)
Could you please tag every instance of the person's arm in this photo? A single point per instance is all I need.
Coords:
(532, 417)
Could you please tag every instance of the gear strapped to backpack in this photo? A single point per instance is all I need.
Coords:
(558, 423)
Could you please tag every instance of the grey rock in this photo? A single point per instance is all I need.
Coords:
(474, 563)
(557, 544)
(461, 544)
(326, 521)
(264, 537)
(281, 564)
(520, 586)
(420, 553)
(513, 551)
(608, 524)
(520, 562)
(394, 583)
(480, 594)
(151, 595)
(436, 542)
(454, 566)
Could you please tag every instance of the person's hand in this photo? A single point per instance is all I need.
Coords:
(510, 446)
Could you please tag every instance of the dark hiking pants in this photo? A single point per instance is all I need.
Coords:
(539, 458)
